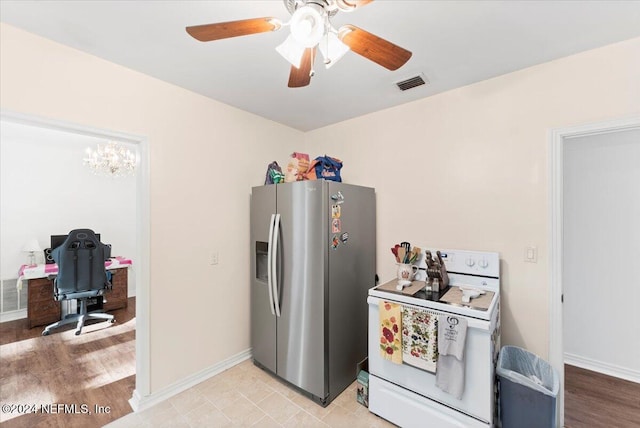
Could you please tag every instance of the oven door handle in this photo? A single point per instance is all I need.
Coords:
(480, 324)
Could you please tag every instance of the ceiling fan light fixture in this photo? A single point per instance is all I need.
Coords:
(332, 49)
(291, 51)
(311, 30)
(307, 26)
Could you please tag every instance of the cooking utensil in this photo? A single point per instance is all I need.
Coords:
(417, 250)
(401, 254)
(402, 283)
(394, 250)
(407, 251)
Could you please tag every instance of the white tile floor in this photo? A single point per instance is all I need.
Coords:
(247, 396)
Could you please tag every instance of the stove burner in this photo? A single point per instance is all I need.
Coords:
(432, 296)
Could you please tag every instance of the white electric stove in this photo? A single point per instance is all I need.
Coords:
(408, 396)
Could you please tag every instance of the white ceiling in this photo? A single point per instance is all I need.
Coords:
(454, 43)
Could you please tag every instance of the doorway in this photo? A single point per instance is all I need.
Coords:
(141, 253)
(572, 149)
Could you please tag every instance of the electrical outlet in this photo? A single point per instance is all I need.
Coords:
(531, 254)
(213, 258)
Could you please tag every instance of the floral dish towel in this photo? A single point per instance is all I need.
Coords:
(420, 338)
(390, 331)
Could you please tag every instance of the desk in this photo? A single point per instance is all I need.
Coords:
(43, 310)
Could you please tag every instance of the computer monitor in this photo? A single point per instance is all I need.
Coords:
(57, 240)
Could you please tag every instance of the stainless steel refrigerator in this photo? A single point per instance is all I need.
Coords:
(312, 262)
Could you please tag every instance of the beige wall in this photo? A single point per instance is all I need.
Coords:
(204, 157)
(468, 168)
(464, 169)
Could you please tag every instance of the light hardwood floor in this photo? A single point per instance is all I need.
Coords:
(95, 368)
(596, 400)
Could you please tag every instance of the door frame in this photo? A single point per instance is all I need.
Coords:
(141, 256)
(557, 139)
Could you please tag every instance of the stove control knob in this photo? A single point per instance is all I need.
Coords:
(483, 263)
(470, 262)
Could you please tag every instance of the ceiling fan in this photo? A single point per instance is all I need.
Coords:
(311, 30)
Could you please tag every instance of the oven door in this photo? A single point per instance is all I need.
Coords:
(478, 398)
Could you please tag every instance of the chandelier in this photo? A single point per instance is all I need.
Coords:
(113, 160)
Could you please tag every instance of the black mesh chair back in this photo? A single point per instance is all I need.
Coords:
(80, 262)
(81, 275)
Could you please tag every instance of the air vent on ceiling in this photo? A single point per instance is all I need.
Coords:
(412, 82)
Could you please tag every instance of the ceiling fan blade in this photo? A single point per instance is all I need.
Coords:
(224, 30)
(374, 48)
(299, 77)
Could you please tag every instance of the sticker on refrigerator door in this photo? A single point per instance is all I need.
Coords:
(335, 242)
(344, 237)
(335, 211)
(336, 225)
(338, 197)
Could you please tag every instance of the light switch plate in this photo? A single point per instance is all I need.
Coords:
(531, 254)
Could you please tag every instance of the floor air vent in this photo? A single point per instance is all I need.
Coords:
(412, 82)
(10, 298)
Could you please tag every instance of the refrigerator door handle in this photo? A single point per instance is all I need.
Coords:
(269, 257)
(274, 268)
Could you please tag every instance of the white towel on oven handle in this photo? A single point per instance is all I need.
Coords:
(452, 332)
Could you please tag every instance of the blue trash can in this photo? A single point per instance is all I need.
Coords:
(528, 389)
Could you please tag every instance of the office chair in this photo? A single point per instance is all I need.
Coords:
(81, 275)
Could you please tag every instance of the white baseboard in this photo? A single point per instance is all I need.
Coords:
(139, 403)
(601, 367)
(13, 315)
